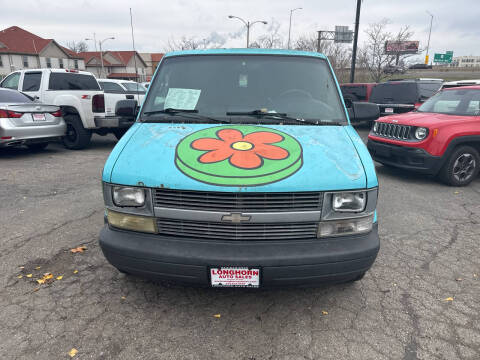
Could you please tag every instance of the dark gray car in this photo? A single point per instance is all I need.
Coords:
(26, 122)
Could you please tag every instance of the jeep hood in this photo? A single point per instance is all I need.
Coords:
(313, 158)
(425, 119)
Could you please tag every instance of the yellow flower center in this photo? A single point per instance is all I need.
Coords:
(242, 145)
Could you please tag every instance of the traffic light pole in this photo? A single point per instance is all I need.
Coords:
(355, 41)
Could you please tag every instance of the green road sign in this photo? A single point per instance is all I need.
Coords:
(443, 58)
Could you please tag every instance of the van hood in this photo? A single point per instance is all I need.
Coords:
(213, 157)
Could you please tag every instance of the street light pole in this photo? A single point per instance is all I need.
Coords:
(248, 24)
(95, 45)
(290, 25)
(101, 52)
(429, 34)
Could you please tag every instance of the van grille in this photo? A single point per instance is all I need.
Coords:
(240, 202)
(248, 231)
(393, 131)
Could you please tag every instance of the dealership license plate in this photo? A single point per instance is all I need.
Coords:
(235, 277)
(38, 117)
(389, 110)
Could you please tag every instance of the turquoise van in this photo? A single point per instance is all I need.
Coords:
(242, 170)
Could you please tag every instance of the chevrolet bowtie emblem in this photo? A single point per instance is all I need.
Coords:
(236, 218)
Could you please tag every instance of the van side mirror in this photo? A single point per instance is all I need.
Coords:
(363, 111)
(126, 108)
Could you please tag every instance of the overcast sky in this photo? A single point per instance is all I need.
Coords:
(455, 24)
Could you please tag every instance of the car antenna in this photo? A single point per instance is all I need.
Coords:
(134, 57)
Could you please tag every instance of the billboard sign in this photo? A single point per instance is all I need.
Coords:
(401, 47)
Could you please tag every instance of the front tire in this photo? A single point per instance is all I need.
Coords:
(77, 137)
(461, 167)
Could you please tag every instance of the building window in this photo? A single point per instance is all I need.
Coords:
(1, 61)
(76, 64)
(25, 61)
(60, 63)
(49, 63)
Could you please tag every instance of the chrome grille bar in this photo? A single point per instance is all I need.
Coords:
(393, 131)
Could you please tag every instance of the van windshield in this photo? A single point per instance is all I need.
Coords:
(243, 88)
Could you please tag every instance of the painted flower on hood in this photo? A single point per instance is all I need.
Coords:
(246, 152)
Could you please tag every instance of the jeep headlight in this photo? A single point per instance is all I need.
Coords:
(128, 196)
(349, 201)
(375, 127)
(421, 133)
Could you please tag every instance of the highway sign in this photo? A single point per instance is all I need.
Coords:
(443, 58)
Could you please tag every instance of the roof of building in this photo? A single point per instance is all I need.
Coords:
(157, 56)
(123, 57)
(122, 75)
(15, 40)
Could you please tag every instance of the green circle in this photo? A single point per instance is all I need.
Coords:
(223, 173)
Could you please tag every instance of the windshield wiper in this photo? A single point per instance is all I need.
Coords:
(183, 112)
(282, 116)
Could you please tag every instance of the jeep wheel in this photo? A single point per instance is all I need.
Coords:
(461, 167)
(77, 137)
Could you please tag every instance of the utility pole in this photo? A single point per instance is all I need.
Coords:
(355, 42)
(429, 34)
(290, 26)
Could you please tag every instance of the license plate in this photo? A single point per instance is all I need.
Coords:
(389, 110)
(235, 277)
(38, 117)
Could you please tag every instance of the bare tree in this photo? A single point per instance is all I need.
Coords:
(185, 43)
(372, 54)
(77, 47)
(272, 39)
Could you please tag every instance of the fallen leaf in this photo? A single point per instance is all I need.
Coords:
(38, 268)
(448, 299)
(475, 275)
(45, 278)
(458, 279)
(75, 271)
(20, 276)
(324, 312)
(22, 267)
(123, 297)
(218, 316)
(73, 352)
(60, 277)
(456, 192)
(79, 249)
(29, 275)
(36, 289)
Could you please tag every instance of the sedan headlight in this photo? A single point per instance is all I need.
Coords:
(421, 133)
(349, 201)
(128, 196)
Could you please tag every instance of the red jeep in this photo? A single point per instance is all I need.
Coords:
(441, 138)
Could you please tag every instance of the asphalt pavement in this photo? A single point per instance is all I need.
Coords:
(419, 301)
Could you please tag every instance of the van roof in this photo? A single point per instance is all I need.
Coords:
(250, 51)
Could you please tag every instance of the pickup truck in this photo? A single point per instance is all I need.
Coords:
(78, 95)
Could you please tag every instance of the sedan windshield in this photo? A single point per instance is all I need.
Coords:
(247, 88)
(134, 87)
(454, 102)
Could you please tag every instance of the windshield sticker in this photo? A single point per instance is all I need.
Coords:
(182, 99)
(238, 155)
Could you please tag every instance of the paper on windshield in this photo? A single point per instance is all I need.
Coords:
(184, 99)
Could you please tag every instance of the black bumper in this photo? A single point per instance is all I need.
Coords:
(114, 122)
(282, 263)
(407, 158)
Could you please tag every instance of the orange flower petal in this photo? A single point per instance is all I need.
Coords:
(208, 144)
(271, 152)
(263, 137)
(230, 135)
(216, 155)
(246, 159)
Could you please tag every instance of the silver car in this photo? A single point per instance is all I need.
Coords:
(26, 122)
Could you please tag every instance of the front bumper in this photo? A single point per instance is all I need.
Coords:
(282, 263)
(408, 158)
(114, 122)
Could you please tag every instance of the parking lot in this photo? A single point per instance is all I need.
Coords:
(419, 301)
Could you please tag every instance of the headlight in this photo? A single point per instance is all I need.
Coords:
(421, 133)
(375, 127)
(131, 222)
(128, 196)
(349, 201)
(345, 227)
